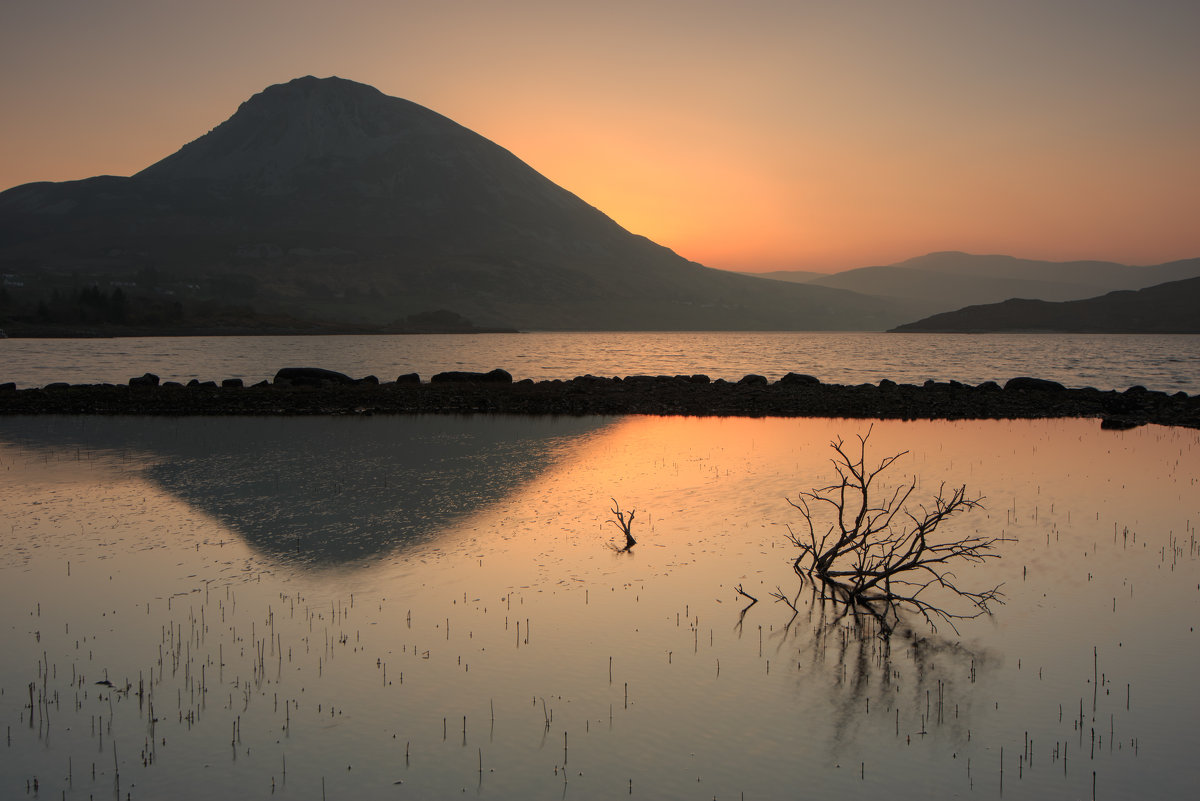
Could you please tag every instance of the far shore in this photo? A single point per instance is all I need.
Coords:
(34, 331)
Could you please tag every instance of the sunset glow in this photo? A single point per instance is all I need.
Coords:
(766, 135)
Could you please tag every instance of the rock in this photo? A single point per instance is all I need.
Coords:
(1121, 423)
(496, 376)
(800, 380)
(8, 386)
(232, 383)
(1039, 384)
(409, 378)
(368, 380)
(699, 378)
(587, 383)
(592, 395)
(310, 377)
(58, 386)
(145, 380)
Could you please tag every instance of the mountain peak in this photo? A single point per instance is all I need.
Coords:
(290, 128)
(310, 88)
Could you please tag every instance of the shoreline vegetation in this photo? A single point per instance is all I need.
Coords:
(229, 322)
(315, 391)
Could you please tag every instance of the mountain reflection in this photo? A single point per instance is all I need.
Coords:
(322, 491)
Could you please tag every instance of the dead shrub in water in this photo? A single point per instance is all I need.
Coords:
(623, 521)
(878, 556)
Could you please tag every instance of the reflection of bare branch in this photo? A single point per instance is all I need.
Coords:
(876, 557)
(746, 608)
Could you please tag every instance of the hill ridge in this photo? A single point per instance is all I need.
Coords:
(324, 198)
(1169, 308)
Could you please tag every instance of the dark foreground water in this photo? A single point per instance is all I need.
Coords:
(1165, 363)
(429, 608)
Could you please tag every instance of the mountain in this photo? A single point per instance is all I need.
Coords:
(951, 280)
(326, 199)
(1169, 308)
(794, 276)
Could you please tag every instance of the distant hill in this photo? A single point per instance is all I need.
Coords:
(324, 199)
(1170, 308)
(794, 276)
(945, 281)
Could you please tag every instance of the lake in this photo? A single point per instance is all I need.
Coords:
(1159, 362)
(419, 607)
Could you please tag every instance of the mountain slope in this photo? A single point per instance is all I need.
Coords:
(792, 276)
(1170, 308)
(325, 198)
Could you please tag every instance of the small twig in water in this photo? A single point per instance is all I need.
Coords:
(625, 523)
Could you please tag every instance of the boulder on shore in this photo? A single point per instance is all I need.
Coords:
(310, 377)
(496, 376)
(800, 379)
(1040, 384)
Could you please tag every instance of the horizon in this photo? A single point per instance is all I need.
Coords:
(769, 137)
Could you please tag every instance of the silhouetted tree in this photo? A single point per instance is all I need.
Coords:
(877, 556)
(117, 306)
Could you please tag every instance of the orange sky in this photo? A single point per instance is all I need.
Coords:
(809, 134)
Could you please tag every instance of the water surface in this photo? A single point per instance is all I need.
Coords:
(482, 638)
(1160, 362)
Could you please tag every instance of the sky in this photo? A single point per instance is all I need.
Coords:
(757, 135)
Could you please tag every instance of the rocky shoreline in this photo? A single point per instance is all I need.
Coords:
(311, 391)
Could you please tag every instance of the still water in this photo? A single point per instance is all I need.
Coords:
(1159, 362)
(430, 608)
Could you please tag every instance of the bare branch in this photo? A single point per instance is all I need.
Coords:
(745, 594)
(879, 556)
(624, 522)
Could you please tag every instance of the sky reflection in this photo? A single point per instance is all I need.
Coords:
(470, 659)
